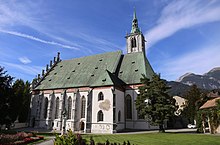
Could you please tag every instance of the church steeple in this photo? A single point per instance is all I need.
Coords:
(135, 40)
(135, 28)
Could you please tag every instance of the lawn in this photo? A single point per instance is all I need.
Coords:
(158, 139)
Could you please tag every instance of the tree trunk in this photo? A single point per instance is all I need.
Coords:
(161, 128)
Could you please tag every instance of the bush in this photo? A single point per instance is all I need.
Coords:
(69, 139)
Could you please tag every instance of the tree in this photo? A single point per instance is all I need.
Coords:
(193, 103)
(5, 94)
(20, 100)
(153, 102)
(16, 99)
(23, 115)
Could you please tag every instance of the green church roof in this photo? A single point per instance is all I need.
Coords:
(133, 66)
(81, 72)
(112, 68)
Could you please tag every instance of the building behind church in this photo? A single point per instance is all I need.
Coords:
(93, 94)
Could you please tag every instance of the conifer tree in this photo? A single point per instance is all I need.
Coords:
(192, 105)
(5, 94)
(153, 102)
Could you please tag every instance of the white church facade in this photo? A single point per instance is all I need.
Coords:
(93, 94)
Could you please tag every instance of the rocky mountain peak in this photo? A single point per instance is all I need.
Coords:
(208, 81)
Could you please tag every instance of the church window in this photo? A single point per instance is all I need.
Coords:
(119, 116)
(57, 108)
(100, 96)
(45, 108)
(83, 107)
(133, 42)
(128, 107)
(100, 116)
(69, 108)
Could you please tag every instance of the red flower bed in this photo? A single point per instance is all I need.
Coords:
(18, 139)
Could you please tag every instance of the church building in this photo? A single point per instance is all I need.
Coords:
(93, 94)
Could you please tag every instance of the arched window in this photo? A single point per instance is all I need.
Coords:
(119, 116)
(100, 96)
(69, 108)
(133, 42)
(83, 107)
(100, 116)
(45, 108)
(57, 108)
(128, 107)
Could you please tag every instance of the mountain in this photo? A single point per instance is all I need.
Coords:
(207, 81)
(177, 88)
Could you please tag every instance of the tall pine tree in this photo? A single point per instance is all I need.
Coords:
(192, 96)
(153, 102)
(5, 94)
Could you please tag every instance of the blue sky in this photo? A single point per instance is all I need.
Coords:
(182, 36)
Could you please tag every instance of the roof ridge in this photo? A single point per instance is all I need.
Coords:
(95, 55)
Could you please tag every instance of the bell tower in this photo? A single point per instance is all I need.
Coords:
(135, 40)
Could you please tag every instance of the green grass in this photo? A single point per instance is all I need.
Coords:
(158, 139)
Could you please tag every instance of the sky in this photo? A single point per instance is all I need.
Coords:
(182, 35)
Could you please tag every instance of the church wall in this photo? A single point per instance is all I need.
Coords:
(57, 122)
(130, 122)
(70, 122)
(106, 106)
(33, 107)
(43, 122)
(78, 106)
(119, 119)
(136, 122)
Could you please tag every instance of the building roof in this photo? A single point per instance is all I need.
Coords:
(81, 72)
(112, 68)
(133, 66)
(210, 103)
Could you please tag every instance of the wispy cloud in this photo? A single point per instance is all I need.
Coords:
(38, 39)
(28, 14)
(180, 15)
(196, 62)
(24, 60)
(25, 69)
(100, 43)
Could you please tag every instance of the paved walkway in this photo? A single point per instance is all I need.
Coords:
(47, 142)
